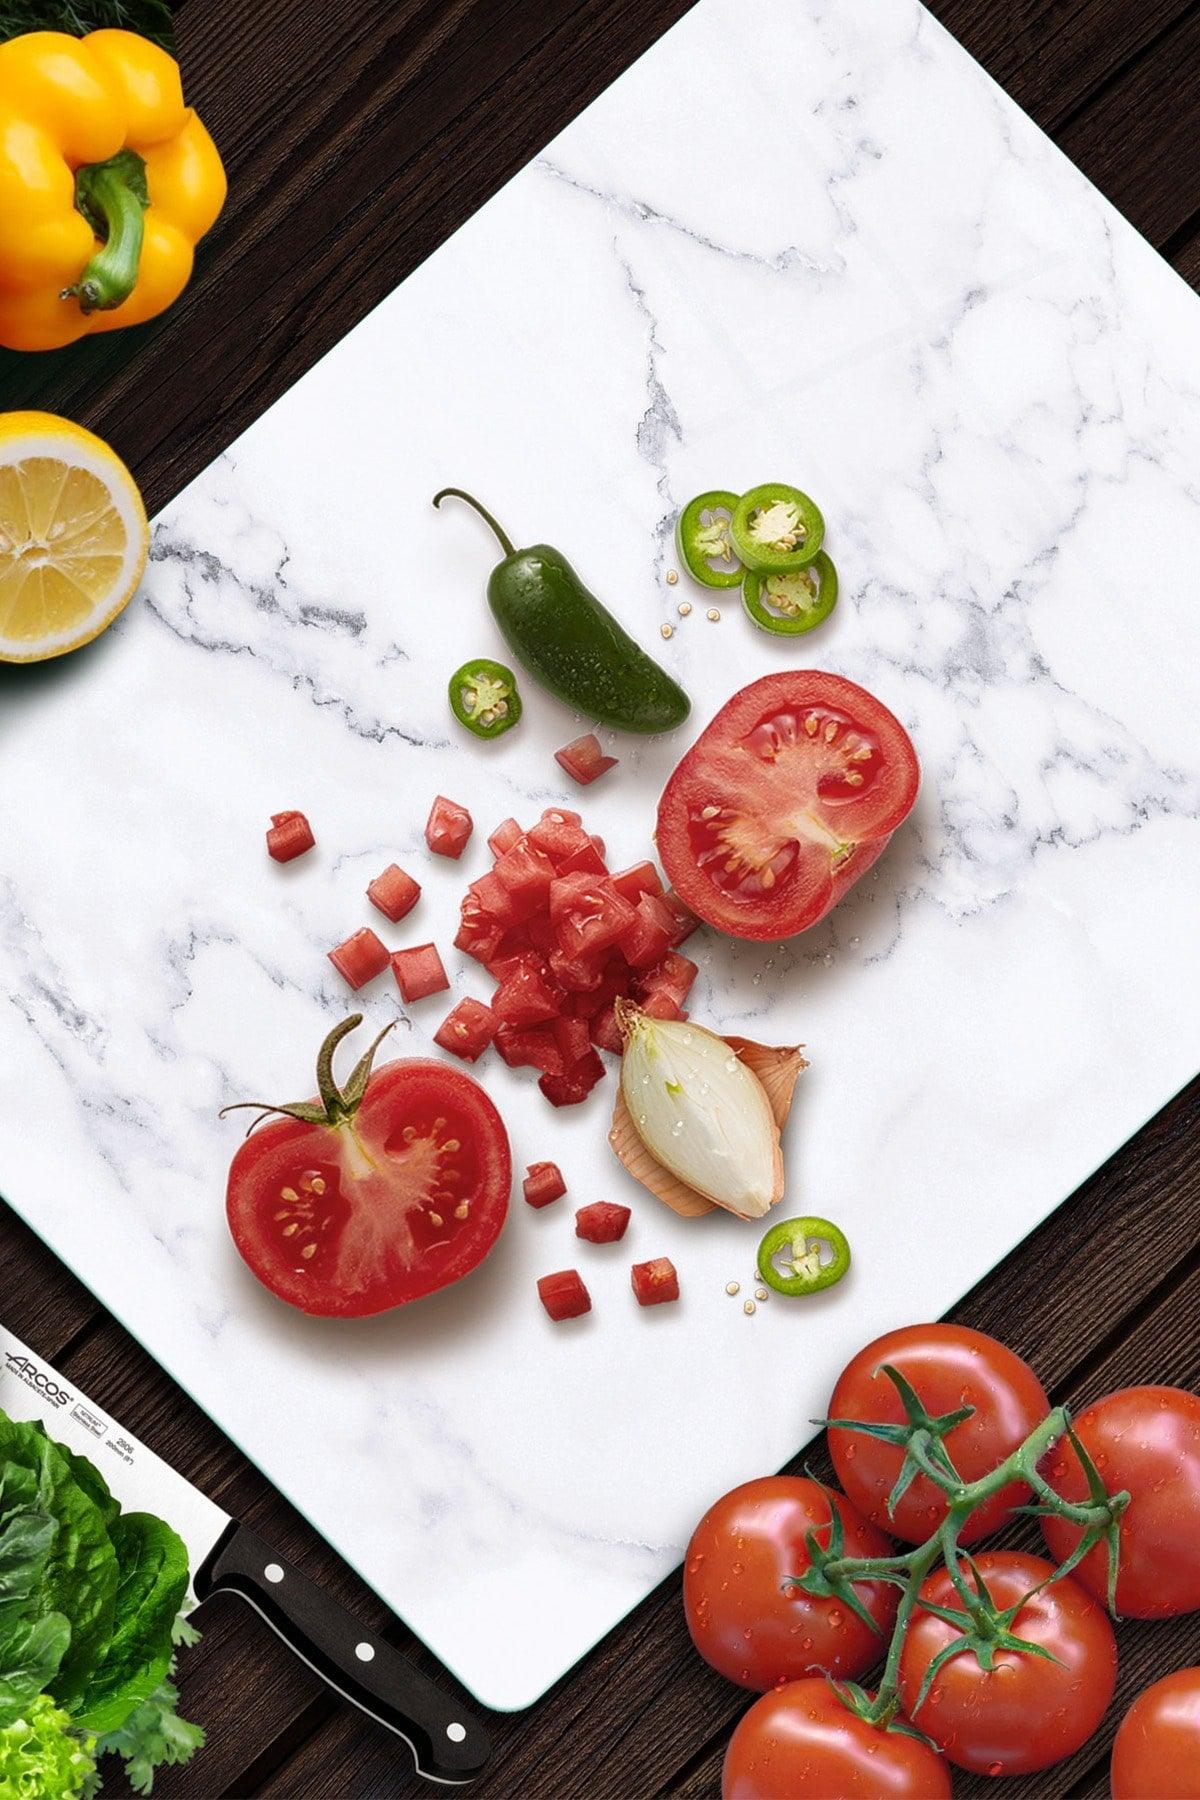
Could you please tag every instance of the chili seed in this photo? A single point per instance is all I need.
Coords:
(733, 1287)
(667, 630)
(713, 614)
(672, 577)
(749, 1307)
(685, 607)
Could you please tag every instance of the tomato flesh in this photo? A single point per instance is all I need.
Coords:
(1147, 1441)
(564, 1295)
(448, 827)
(784, 802)
(1026, 1712)
(467, 1029)
(1157, 1748)
(584, 759)
(419, 972)
(394, 893)
(603, 1222)
(506, 834)
(655, 1283)
(355, 1219)
(290, 836)
(360, 958)
(543, 1184)
(801, 1743)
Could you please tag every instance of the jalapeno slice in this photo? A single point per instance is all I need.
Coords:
(793, 602)
(484, 697)
(790, 1259)
(705, 545)
(776, 528)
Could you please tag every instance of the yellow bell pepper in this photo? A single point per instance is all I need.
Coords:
(107, 182)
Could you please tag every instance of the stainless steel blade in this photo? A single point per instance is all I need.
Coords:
(30, 1388)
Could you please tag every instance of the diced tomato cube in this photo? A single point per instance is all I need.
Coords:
(564, 1295)
(661, 1006)
(467, 1029)
(584, 759)
(448, 827)
(573, 1084)
(685, 919)
(478, 934)
(572, 1037)
(605, 1032)
(419, 971)
(602, 1222)
(494, 898)
(394, 893)
(672, 976)
(587, 859)
(631, 884)
(543, 1183)
(290, 836)
(525, 872)
(525, 997)
(576, 973)
(506, 834)
(654, 1282)
(588, 913)
(559, 835)
(541, 933)
(360, 958)
(648, 937)
(530, 1047)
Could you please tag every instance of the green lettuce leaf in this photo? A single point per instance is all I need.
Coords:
(79, 1579)
(152, 1581)
(44, 1757)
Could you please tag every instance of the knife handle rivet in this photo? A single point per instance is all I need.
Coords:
(456, 1732)
(365, 1652)
(273, 1572)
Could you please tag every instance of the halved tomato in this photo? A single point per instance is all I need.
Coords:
(376, 1194)
(784, 801)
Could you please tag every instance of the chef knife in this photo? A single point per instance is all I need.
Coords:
(448, 1744)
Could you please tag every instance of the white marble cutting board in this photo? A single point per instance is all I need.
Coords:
(826, 249)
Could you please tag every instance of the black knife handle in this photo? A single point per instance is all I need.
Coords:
(448, 1742)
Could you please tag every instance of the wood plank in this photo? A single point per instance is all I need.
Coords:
(39, 1297)
(1053, 55)
(1067, 1289)
(1137, 141)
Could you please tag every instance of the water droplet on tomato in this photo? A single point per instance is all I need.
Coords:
(995, 1768)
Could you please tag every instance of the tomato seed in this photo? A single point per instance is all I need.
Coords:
(435, 1218)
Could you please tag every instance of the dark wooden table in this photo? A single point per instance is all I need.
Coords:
(357, 138)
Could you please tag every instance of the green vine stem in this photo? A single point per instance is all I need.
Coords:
(832, 1573)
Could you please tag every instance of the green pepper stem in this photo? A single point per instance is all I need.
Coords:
(113, 197)
(460, 494)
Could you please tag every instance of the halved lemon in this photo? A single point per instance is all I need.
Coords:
(73, 536)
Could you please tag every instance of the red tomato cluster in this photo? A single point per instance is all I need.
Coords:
(1008, 1710)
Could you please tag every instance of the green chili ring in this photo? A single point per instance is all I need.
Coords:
(484, 697)
(758, 601)
(809, 1274)
(698, 556)
(777, 558)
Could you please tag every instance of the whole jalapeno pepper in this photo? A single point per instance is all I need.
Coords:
(572, 644)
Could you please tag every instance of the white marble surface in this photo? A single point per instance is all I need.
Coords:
(827, 250)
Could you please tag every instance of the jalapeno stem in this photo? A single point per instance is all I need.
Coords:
(461, 494)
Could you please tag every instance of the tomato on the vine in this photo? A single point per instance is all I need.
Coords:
(1157, 1748)
(1026, 1711)
(744, 1616)
(376, 1194)
(950, 1367)
(1145, 1440)
(800, 1742)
